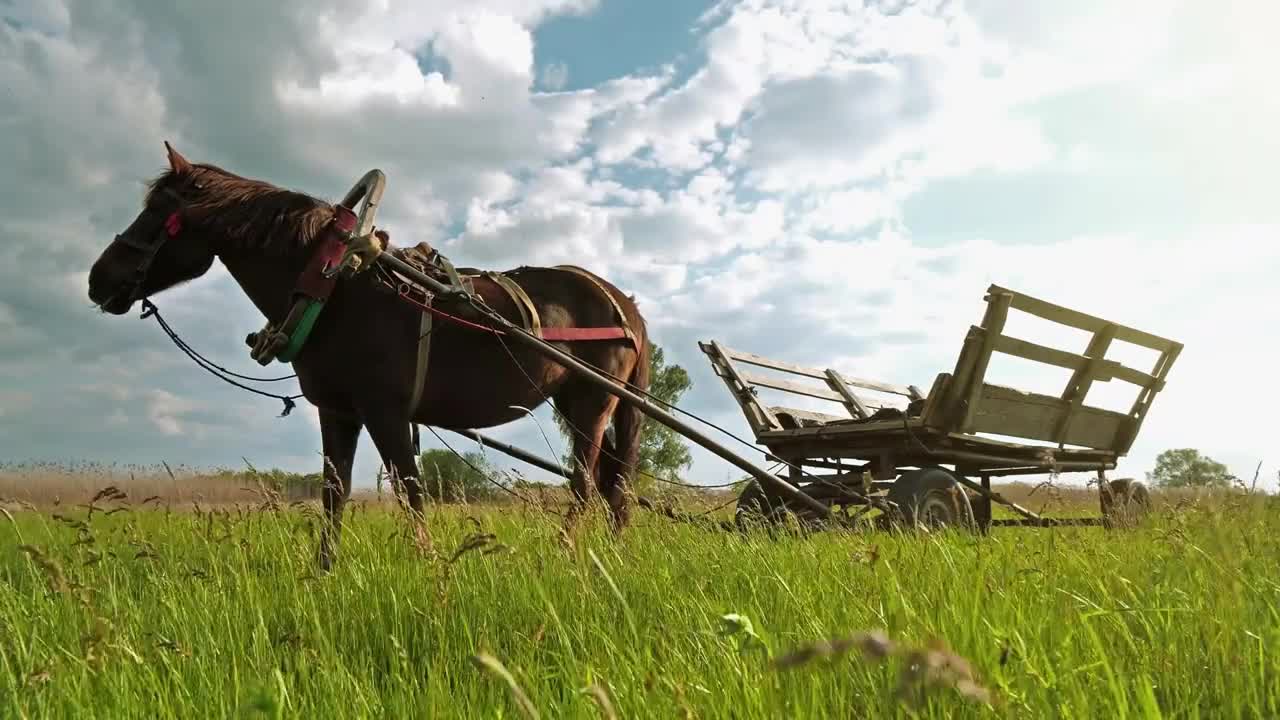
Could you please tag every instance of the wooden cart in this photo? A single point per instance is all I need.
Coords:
(880, 454)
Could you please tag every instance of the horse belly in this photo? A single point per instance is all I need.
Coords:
(478, 391)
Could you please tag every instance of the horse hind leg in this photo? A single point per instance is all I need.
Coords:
(587, 411)
(620, 462)
(393, 437)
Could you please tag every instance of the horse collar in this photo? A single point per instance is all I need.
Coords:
(310, 293)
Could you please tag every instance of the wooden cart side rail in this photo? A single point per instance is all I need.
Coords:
(967, 390)
(760, 418)
(1013, 413)
(907, 391)
(1081, 321)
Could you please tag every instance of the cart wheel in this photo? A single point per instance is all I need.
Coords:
(932, 498)
(1123, 502)
(756, 506)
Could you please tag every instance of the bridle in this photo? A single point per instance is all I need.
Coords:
(149, 246)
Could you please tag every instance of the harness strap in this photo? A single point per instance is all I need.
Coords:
(622, 317)
(424, 358)
(528, 311)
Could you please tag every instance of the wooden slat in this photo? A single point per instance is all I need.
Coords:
(1006, 411)
(1143, 402)
(1082, 379)
(792, 387)
(1107, 369)
(951, 412)
(758, 416)
(810, 415)
(992, 326)
(851, 401)
(764, 362)
(842, 429)
(933, 401)
(1082, 321)
(1012, 448)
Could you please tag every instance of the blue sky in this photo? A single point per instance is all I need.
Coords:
(834, 186)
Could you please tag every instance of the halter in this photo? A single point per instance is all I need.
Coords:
(150, 246)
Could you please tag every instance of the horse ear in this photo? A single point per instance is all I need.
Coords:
(178, 163)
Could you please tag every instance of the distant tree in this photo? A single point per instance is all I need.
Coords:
(662, 452)
(446, 477)
(1186, 467)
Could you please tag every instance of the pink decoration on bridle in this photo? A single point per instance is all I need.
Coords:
(173, 224)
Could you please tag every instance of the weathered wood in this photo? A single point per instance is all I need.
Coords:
(934, 401)
(1082, 379)
(1022, 448)
(1081, 321)
(792, 387)
(996, 497)
(515, 452)
(771, 364)
(865, 384)
(1143, 402)
(951, 412)
(851, 402)
(758, 416)
(992, 326)
(810, 415)
(840, 429)
(1011, 412)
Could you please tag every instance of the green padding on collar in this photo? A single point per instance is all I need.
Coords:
(300, 333)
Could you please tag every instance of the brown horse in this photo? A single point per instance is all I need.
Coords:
(358, 365)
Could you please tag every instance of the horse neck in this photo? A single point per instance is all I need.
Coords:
(266, 278)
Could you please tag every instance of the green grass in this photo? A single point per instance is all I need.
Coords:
(155, 614)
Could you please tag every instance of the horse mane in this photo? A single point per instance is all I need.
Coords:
(251, 213)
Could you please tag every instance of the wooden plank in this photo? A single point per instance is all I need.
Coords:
(1143, 403)
(1082, 379)
(1012, 448)
(1010, 412)
(992, 326)
(851, 401)
(1079, 320)
(764, 362)
(933, 401)
(876, 385)
(792, 387)
(806, 414)
(1107, 369)
(842, 429)
(951, 412)
(758, 416)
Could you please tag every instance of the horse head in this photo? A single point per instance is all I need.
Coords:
(163, 246)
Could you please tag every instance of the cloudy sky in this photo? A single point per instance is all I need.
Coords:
(835, 184)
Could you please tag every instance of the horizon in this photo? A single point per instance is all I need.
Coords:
(830, 187)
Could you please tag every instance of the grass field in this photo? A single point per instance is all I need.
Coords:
(215, 611)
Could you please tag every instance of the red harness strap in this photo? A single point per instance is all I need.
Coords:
(570, 334)
(311, 281)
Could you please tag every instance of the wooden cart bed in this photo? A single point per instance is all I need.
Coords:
(948, 424)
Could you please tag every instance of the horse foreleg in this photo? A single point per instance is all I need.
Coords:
(393, 436)
(339, 434)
